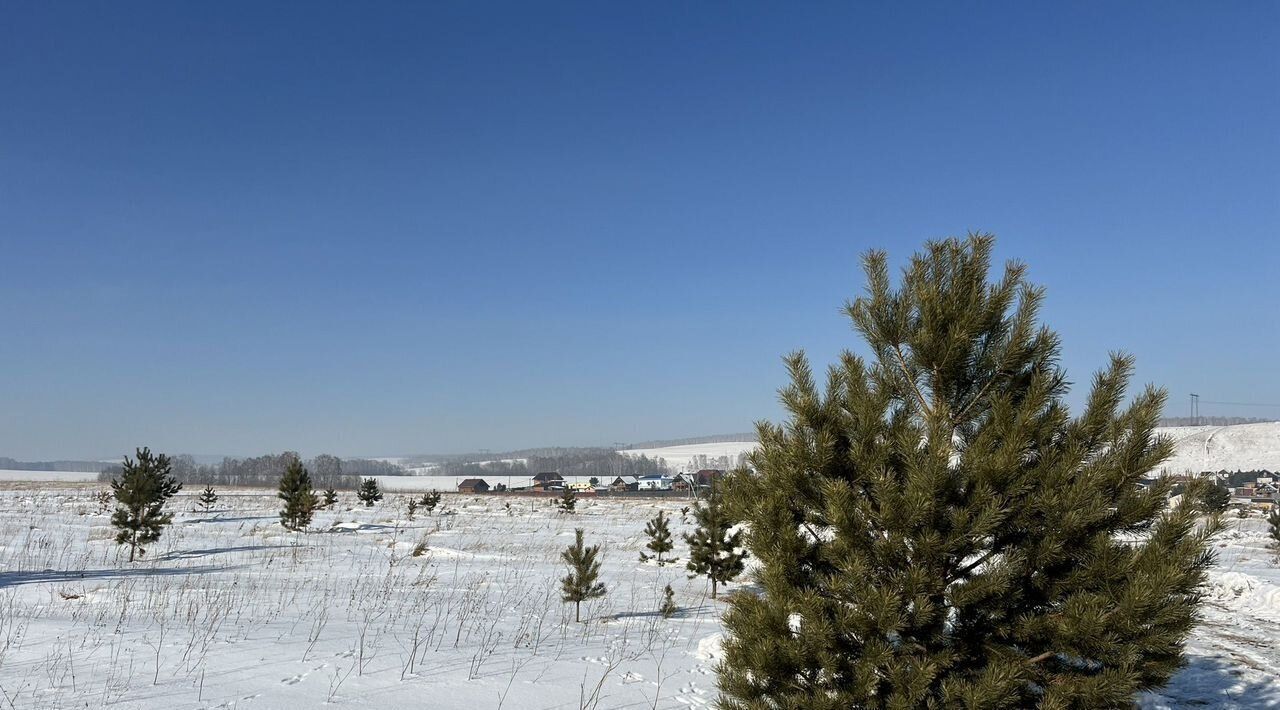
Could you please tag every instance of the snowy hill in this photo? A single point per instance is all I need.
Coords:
(1197, 448)
(694, 457)
(1214, 448)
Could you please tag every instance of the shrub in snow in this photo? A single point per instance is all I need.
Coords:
(668, 608)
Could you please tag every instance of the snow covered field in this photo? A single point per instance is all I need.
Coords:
(230, 611)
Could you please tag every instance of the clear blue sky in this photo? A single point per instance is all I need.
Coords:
(390, 228)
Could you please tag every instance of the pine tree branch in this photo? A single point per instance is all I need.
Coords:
(902, 362)
(1044, 656)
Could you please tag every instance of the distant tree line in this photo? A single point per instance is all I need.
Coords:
(326, 471)
(603, 463)
(16, 465)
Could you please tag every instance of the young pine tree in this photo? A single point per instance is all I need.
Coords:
(935, 530)
(330, 497)
(369, 492)
(659, 533)
(429, 501)
(1273, 526)
(208, 498)
(299, 499)
(143, 488)
(668, 608)
(568, 501)
(713, 552)
(582, 582)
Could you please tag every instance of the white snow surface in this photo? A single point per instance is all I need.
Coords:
(228, 610)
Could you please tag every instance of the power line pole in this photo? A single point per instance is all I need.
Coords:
(1195, 409)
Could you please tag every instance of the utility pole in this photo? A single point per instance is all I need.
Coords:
(1195, 409)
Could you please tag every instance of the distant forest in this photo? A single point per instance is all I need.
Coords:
(600, 462)
(7, 463)
(326, 471)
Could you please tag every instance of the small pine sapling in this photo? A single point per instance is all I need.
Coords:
(568, 501)
(713, 552)
(330, 497)
(143, 488)
(413, 507)
(299, 498)
(369, 492)
(582, 582)
(429, 501)
(1273, 526)
(208, 498)
(668, 608)
(659, 533)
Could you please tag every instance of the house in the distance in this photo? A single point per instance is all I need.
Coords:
(654, 483)
(706, 477)
(624, 483)
(473, 485)
(548, 480)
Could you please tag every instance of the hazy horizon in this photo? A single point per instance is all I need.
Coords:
(374, 230)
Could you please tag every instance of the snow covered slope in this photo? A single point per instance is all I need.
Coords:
(1197, 448)
(1214, 448)
(693, 457)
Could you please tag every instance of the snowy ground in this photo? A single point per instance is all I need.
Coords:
(229, 611)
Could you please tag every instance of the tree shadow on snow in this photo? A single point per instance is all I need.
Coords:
(237, 519)
(190, 554)
(692, 612)
(14, 579)
(1216, 682)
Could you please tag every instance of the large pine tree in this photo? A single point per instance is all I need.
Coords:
(935, 530)
(300, 499)
(713, 551)
(143, 488)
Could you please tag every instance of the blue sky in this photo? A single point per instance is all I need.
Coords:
(389, 228)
